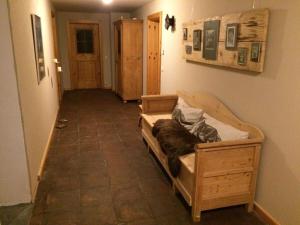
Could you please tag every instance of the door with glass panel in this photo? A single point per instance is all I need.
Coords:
(84, 51)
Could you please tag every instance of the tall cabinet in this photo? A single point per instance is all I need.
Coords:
(128, 39)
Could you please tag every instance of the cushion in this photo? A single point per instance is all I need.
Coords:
(181, 103)
(187, 113)
(225, 131)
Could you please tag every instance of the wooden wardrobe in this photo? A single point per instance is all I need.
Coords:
(129, 58)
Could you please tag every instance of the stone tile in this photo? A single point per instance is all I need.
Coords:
(166, 204)
(90, 156)
(69, 200)
(61, 218)
(37, 219)
(130, 211)
(95, 196)
(129, 193)
(55, 151)
(65, 183)
(98, 215)
(149, 187)
(99, 167)
(90, 146)
(94, 179)
(174, 219)
(144, 222)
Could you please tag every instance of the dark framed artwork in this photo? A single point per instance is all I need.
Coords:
(197, 40)
(231, 36)
(242, 56)
(185, 34)
(211, 39)
(188, 49)
(255, 52)
(38, 46)
(170, 22)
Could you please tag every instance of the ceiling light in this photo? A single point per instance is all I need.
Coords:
(107, 1)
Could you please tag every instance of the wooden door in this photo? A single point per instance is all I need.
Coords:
(153, 54)
(84, 50)
(56, 55)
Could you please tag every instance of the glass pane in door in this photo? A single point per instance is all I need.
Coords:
(84, 40)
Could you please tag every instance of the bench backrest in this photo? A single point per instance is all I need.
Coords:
(214, 107)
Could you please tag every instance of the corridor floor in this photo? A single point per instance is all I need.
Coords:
(99, 172)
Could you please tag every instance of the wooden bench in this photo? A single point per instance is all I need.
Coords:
(218, 174)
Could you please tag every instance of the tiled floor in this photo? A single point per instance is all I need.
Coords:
(99, 172)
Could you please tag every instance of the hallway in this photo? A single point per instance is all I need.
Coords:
(99, 172)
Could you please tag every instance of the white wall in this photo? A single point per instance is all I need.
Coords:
(114, 16)
(39, 103)
(63, 19)
(14, 178)
(269, 100)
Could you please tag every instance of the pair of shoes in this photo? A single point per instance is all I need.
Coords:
(61, 123)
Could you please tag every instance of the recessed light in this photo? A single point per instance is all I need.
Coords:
(107, 1)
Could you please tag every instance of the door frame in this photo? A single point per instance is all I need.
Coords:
(60, 89)
(155, 17)
(82, 21)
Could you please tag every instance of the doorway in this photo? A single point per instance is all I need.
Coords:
(85, 57)
(57, 57)
(154, 27)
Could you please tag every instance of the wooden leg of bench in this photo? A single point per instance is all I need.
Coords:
(196, 215)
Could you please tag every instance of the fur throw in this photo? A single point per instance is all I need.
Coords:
(174, 141)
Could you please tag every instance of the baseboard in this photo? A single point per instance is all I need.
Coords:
(42, 164)
(264, 215)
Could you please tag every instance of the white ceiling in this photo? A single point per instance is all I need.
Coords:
(98, 6)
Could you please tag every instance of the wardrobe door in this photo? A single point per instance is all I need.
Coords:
(132, 58)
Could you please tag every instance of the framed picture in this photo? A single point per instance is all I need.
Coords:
(197, 40)
(38, 46)
(188, 49)
(242, 56)
(231, 36)
(185, 34)
(255, 52)
(211, 39)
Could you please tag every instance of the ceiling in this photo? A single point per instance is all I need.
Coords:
(97, 5)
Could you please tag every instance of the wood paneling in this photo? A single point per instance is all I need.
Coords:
(253, 27)
(128, 54)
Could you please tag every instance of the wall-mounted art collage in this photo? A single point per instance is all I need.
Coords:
(235, 40)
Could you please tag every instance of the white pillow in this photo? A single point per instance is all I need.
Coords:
(189, 113)
(182, 103)
(225, 131)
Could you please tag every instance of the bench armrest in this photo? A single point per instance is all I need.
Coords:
(158, 103)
